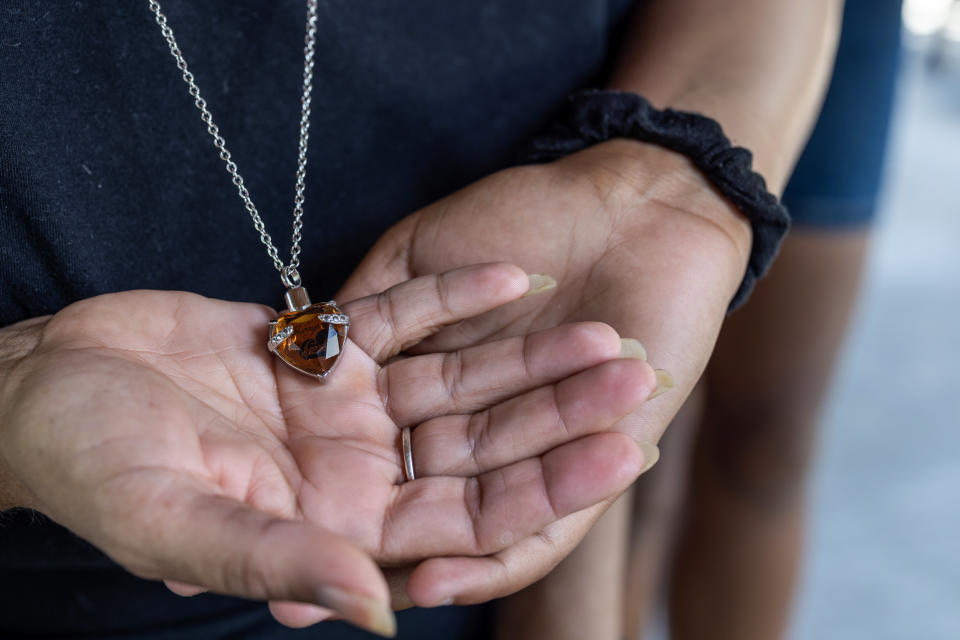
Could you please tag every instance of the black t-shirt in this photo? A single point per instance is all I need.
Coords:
(109, 181)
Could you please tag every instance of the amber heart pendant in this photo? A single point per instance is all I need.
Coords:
(309, 337)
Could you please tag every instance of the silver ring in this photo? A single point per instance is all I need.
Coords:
(407, 450)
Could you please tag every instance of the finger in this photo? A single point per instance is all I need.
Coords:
(184, 589)
(386, 264)
(421, 387)
(229, 547)
(529, 425)
(495, 323)
(482, 515)
(462, 581)
(298, 615)
(385, 324)
(498, 323)
(397, 581)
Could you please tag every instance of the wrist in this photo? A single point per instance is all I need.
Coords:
(16, 343)
(759, 68)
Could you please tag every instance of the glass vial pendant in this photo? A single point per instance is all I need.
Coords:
(309, 337)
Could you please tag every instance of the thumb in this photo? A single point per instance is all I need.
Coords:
(386, 264)
(230, 547)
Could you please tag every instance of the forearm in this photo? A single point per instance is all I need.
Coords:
(16, 342)
(759, 67)
(583, 596)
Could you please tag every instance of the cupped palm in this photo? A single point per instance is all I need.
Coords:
(157, 426)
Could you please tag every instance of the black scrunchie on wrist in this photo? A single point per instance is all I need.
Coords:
(594, 116)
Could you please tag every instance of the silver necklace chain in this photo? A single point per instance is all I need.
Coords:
(288, 272)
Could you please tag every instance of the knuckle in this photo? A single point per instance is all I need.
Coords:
(387, 311)
(526, 358)
(555, 406)
(552, 508)
(451, 374)
(251, 575)
(443, 292)
(383, 389)
(473, 498)
(477, 432)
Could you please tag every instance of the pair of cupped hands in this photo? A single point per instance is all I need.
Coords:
(157, 426)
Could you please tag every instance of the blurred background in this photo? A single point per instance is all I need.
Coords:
(884, 549)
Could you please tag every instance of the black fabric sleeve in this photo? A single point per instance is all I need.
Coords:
(593, 116)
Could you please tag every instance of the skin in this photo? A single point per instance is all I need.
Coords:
(532, 611)
(656, 513)
(625, 248)
(760, 69)
(635, 236)
(747, 495)
(591, 579)
(731, 477)
(158, 427)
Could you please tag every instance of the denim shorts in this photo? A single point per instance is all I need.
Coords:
(840, 172)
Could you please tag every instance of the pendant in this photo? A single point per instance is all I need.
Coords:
(309, 337)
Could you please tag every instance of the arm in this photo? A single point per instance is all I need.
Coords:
(759, 68)
(636, 236)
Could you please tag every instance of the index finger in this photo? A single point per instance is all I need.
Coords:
(385, 324)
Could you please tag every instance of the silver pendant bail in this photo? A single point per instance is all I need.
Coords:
(290, 277)
(297, 299)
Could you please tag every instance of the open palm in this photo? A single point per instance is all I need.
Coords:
(157, 426)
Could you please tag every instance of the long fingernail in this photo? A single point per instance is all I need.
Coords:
(651, 453)
(664, 383)
(365, 612)
(630, 348)
(539, 283)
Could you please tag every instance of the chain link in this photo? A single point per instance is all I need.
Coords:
(288, 273)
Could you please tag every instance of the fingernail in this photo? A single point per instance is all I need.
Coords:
(539, 283)
(447, 602)
(630, 348)
(664, 383)
(365, 612)
(651, 453)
